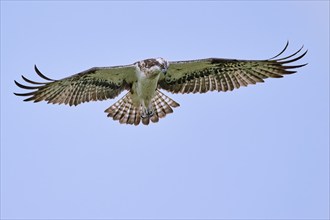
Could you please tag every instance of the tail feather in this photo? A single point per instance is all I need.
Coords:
(155, 117)
(163, 106)
(127, 113)
(124, 111)
(136, 115)
(146, 120)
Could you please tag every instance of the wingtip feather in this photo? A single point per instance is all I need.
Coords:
(286, 46)
(42, 75)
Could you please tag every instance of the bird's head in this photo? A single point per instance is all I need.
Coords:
(163, 64)
(153, 66)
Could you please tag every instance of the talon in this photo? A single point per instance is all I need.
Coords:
(146, 113)
(150, 113)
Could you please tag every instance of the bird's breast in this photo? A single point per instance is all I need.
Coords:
(145, 87)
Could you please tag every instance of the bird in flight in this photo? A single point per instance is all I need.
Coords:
(144, 102)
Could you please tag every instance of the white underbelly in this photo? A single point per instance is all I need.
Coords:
(145, 90)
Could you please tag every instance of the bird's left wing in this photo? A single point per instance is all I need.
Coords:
(224, 74)
(98, 83)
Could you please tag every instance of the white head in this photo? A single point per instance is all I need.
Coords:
(164, 64)
(153, 66)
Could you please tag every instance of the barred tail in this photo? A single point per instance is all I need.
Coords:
(162, 105)
(125, 111)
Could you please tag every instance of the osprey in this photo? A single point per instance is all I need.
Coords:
(144, 80)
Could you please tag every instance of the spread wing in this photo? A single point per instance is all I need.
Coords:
(225, 74)
(98, 83)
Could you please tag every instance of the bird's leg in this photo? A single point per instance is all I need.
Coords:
(147, 111)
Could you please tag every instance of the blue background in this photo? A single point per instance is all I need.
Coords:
(257, 152)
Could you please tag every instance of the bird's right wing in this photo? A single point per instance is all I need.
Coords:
(98, 83)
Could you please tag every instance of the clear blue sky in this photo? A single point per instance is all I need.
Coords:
(257, 152)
